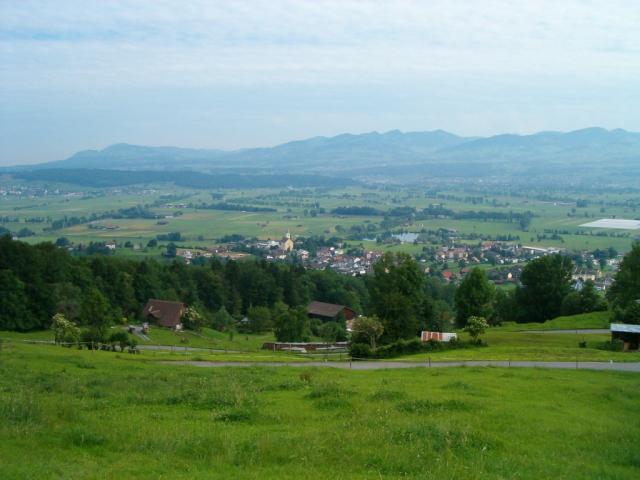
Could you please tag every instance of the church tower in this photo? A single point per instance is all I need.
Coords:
(286, 245)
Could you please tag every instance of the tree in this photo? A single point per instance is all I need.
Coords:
(545, 283)
(62, 242)
(222, 320)
(625, 292)
(259, 319)
(505, 308)
(14, 314)
(192, 320)
(67, 300)
(64, 331)
(571, 303)
(397, 293)
(367, 330)
(475, 327)
(95, 313)
(332, 332)
(292, 326)
(474, 297)
(120, 338)
(440, 316)
(172, 250)
(590, 299)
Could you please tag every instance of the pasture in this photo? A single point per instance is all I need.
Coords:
(201, 227)
(77, 414)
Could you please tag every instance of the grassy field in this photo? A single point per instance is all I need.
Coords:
(509, 342)
(69, 414)
(208, 338)
(597, 320)
(204, 227)
(532, 346)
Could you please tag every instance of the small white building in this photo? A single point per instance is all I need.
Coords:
(425, 336)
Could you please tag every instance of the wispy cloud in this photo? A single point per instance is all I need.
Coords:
(80, 73)
(211, 43)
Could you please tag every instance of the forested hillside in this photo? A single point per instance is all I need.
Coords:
(39, 281)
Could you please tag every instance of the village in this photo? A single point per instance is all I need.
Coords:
(502, 260)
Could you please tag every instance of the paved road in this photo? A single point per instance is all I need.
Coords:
(367, 365)
(182, 348)
(580, 331)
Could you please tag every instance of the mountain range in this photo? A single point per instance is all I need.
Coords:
(391, 153)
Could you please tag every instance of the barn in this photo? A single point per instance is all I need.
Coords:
(164, 313)
(329, 311)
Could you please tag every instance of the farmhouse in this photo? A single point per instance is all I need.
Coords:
(329, 311)
(164, 313)
(629, 334)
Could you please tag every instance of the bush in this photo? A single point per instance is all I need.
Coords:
(615, 345)
(360, 350)
(315, 325)
(408, 347)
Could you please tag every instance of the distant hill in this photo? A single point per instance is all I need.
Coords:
(393, 153)
(135, 157)
(114, 178)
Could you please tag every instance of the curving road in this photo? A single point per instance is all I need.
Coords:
(369, 365)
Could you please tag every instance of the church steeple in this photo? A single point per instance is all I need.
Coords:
(286, 244)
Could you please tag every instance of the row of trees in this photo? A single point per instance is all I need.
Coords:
(39, 281)
(547, 291)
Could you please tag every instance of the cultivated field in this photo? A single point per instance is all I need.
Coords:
(203, 227)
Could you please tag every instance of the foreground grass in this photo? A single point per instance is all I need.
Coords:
(77, 414)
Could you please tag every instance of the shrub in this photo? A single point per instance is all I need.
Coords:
(360, 350)
(476, 326)
(615, 345)
(407, 347)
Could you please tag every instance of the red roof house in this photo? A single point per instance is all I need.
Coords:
(165, 313)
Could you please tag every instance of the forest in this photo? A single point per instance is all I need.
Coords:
(39, 281)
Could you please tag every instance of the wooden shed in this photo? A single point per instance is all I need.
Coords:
(628, 333)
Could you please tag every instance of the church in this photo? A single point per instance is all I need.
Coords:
(286, 244)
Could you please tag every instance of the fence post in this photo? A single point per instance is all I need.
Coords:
(429, 361)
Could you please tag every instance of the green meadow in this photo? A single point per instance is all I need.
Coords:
(71, 414)
(204, 227)
(510, 341)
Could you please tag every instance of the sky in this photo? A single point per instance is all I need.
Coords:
(84, 74)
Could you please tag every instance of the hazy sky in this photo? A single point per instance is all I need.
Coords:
(81, 74)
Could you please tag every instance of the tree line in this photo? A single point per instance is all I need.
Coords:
(39, 281)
